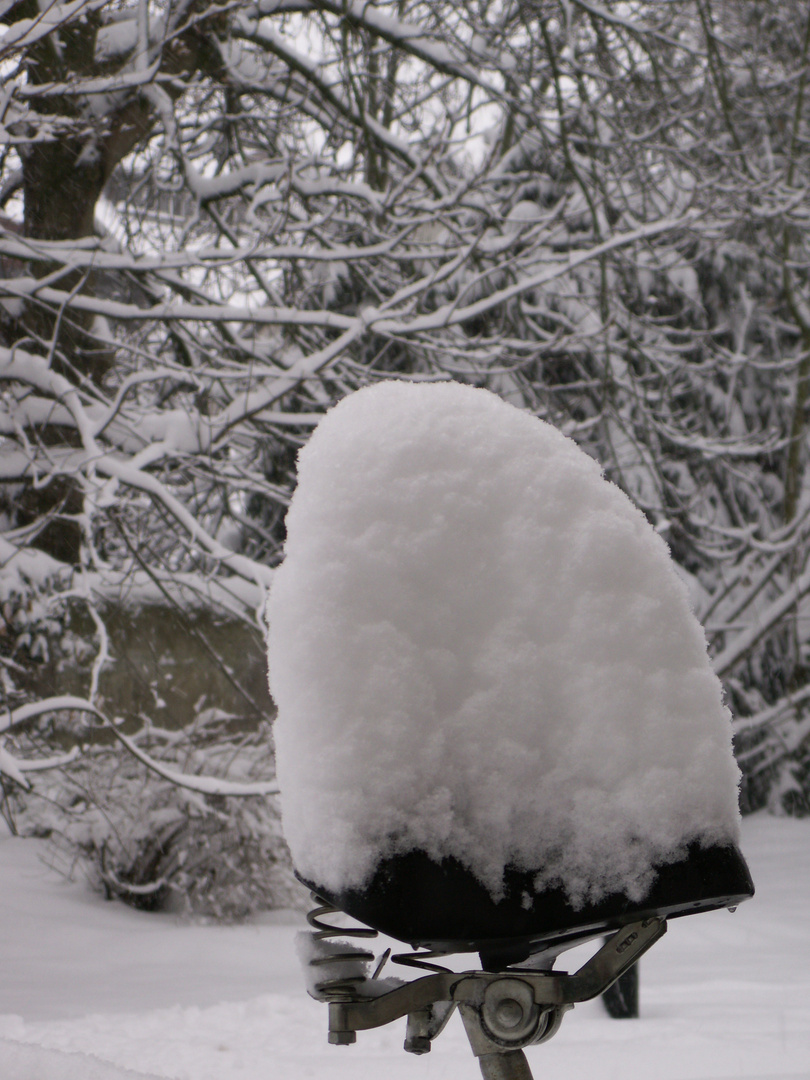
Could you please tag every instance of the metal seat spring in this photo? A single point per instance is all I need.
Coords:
(331, 950)
(351, 966)
(420, 960)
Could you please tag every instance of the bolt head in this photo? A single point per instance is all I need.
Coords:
(509, 1012)
(418, 1044)
(342, 1038)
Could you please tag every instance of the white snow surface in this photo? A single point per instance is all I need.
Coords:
(95, 991)
(480, 648)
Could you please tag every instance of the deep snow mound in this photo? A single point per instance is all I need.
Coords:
(480, 648)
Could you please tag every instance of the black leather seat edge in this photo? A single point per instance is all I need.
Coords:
(442, 906)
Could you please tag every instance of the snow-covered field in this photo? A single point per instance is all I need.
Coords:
(90, 990)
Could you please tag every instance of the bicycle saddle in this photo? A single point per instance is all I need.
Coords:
(442, 906)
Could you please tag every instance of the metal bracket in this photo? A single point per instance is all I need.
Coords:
(502, 1011)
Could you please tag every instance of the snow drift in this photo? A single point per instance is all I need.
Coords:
(480, 648)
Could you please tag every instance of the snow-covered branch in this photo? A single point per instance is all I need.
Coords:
(57, 13)
(204, 785)
(764, 622)
(32, 370)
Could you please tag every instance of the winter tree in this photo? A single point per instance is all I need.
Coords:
(219, 219)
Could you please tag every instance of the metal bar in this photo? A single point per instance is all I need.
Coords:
(509, 1066)
(616, 956)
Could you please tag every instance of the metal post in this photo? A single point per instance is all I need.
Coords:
(511, 1065)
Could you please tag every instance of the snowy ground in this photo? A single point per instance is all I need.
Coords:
(90, 990)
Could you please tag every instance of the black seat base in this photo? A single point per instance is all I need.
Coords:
(443, 907)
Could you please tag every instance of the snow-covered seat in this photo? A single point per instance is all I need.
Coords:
(442, 906)
(498, 728)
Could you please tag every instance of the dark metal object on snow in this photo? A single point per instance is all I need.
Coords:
(442, 908)
(621, 999)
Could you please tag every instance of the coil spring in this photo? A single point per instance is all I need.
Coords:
(344, 986)
(420, 960)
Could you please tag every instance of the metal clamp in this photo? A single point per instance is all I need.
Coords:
(503, 1012)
